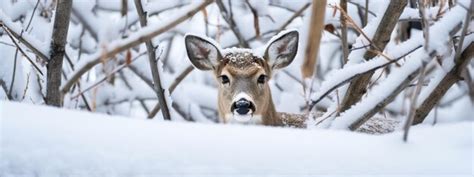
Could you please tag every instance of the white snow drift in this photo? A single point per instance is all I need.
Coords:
(44, 141)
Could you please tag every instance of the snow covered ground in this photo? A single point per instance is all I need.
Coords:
(44, 141)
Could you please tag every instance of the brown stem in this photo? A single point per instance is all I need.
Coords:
(314, 38)
(345, 46)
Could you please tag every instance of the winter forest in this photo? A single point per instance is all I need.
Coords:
(236, 87)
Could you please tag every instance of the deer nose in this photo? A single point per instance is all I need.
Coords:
(242, 106)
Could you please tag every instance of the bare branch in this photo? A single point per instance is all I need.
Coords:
(78, 14)
(129, 42)
(109, 75)
(344, 44)
(153, 64)
(372, 104)
(443, 86)
(367, 70)
(358, 87)
(172, 87)
(294, 16)
(29, 45)
(11, 35)
(256, 22)
(414, 98)
(4, 86)
(461, 60)
(227, 15)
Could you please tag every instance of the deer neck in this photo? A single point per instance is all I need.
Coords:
(270, 116)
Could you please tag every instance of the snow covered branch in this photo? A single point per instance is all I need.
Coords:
(122, 45)
(381, 37)
(399, 79)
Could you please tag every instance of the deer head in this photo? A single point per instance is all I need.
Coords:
(242, 75)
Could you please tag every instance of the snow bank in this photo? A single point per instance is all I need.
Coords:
(44, 141)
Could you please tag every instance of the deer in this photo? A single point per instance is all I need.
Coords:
(244, 95)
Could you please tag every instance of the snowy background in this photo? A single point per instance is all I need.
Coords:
(94, 129)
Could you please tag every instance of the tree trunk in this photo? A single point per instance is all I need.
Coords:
(54, 66)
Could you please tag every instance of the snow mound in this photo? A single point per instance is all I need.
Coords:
(45, 141)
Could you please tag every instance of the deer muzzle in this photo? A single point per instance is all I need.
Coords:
(243, 107)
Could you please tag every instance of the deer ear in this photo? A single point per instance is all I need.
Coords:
(202, 53)
(282, 50)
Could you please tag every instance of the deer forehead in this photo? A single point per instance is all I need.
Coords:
(243, 64)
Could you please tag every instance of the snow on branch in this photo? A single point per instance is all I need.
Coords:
(379, 40)
(135, 39)
(384, 93)
(36, 46)
(339, 77)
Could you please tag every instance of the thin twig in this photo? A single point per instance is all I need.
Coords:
(11, 35)
(14, 73)
(172, 87)
(315, 101)
(424, 23)
(355, 26)
(256, 23)
(153, 64)
(461, 60)
(26, 86)
(127, 44)
(367, 11)
(4, 86)
(381, 37)
(22, 40)
(411, 114)
(227, 15)
(294, 16)
(100, 81)
(344, 44)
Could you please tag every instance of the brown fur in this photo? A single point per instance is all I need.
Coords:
(240, 72)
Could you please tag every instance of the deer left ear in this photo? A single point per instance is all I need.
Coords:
(282, 50)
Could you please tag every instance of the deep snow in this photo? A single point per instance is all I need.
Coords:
(45, 141)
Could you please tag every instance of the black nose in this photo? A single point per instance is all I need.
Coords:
(242, 106)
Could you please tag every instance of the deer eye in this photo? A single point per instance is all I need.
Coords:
(224, 79)
(261, 79)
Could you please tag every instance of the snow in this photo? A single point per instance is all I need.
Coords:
(45, 141)
(380, 92)
(338, 76)
(356, 56)
(42, 46)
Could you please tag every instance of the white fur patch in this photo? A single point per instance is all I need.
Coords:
(242, 95)
(242, 118)
(246, 119)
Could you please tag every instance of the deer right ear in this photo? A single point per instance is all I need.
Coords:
(282, 50)
(203, 53)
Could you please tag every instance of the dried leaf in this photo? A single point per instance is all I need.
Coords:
(330, 28)
(128, 57)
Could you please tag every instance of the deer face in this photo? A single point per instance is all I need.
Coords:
(242, 76)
